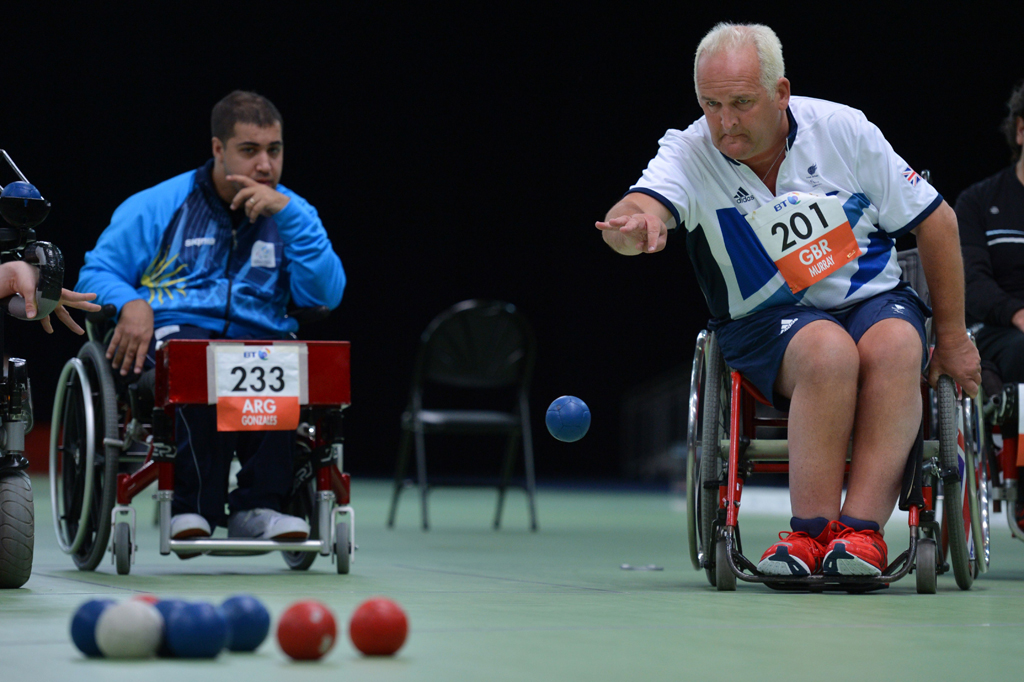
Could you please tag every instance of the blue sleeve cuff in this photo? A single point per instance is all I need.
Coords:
(919, 219)
(665, 202)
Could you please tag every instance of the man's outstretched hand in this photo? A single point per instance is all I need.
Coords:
(636, 233)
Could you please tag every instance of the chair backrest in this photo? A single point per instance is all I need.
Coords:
(477, 344)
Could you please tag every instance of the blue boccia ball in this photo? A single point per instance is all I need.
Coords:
(248, 622)
(21, 190)
(166, 607)
(83, 626)
(568, 418)
(197, 630)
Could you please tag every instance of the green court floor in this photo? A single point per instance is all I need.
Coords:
(551, 605)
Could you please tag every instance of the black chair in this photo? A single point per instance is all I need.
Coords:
(475, 351)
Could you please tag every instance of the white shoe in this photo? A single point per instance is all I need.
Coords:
(266, 524)
(188, 526)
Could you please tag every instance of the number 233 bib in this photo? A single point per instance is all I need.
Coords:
(807, 235)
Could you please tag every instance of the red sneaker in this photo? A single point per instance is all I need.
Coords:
(854, 552)
(797, 553)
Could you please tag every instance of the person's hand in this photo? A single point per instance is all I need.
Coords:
(1018, 319)
(18, 277)
(70, 299)
(256, 199)
(959, 359)
(646, 232)
(130, 342)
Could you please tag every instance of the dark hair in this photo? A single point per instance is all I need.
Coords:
(242, 107)
(1015, 107)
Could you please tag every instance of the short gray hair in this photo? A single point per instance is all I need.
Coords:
(728, 36)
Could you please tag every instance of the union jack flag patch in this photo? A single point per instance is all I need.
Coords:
(911, 175)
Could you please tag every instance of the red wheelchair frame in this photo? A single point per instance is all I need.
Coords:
(181, 378)
(941, 460)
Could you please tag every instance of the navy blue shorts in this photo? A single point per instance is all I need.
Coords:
(755, 344)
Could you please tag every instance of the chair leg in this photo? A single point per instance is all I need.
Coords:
(400, 468)
(421, 476)
(531, 482)
(506, 475)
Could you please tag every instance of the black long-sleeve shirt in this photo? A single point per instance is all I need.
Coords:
(991, 218)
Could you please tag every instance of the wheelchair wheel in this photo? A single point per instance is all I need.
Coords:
(927, 567)
(954, 530)
(977, 486)
(713, 422)
(725, 579)
(693, 451)
(123, 548)
(303, 505)
(17, 529)
(83, 470)
(342, 547)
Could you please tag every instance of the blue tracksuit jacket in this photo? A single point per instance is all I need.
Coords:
(177, 246)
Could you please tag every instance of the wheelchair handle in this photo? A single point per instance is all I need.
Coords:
(48, 258)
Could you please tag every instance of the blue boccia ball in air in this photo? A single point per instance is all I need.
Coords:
(83, 626)
(568, 418)
(197, 630)
(248, 622)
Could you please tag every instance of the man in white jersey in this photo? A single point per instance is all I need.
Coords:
(791, 206)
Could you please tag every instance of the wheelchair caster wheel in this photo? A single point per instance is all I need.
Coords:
(123, 548)
(925, 570)
(725, 579)
(342, 544)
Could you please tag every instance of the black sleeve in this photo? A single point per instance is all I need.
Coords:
(986, 301)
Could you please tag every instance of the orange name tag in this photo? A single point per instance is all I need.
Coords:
(807, 235)
(257, 387)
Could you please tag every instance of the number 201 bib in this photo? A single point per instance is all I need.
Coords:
(807, 235)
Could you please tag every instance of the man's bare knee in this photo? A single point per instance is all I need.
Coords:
(892, 346)
(821, 352)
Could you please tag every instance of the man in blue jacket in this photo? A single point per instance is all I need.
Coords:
(218, 252)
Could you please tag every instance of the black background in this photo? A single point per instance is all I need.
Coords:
(465, 150)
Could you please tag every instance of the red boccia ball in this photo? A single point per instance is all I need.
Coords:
(306, 630)
(378, 627)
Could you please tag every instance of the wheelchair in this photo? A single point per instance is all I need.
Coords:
(724, 449)
(110, 440)
(1000, 453)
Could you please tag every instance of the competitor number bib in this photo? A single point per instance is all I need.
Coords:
(257, 387)
(807, 235)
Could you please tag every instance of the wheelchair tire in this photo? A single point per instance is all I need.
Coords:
(123, 548)
(977, 481)
(693, 451)
(926, 569)
(303, 505)
(712, 426)
(725, 579)
(954, 529)
(17, 529)
(342, 548)
(83, 471)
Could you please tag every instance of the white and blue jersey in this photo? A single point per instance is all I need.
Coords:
(177, 246)
(832, 150)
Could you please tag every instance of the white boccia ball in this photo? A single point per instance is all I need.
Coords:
(131, 629)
